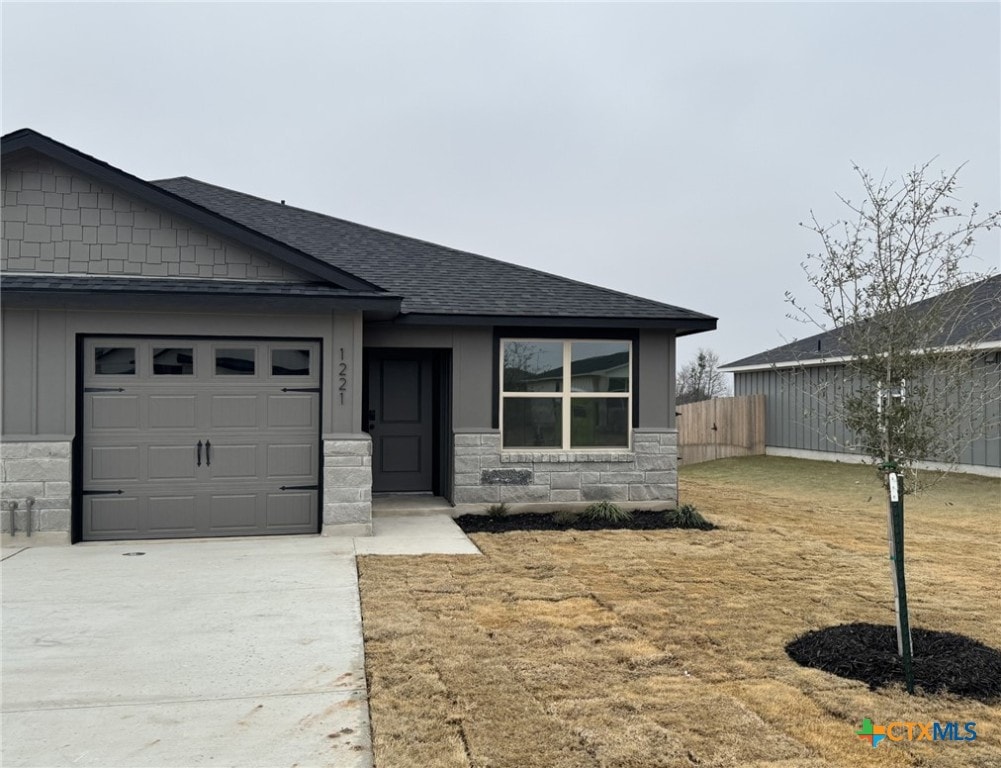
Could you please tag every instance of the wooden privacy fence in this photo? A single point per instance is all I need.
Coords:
(721, 428)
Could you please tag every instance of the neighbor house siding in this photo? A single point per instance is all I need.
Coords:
(59, 221)
(800, 415)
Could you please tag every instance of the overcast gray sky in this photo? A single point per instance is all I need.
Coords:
(667, 150)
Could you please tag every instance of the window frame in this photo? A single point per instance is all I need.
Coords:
(567, 395)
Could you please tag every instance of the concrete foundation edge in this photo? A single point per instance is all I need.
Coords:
(854, 458)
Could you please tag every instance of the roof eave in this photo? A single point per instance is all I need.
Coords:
(738, 367)
(681, 326)
(375, 306)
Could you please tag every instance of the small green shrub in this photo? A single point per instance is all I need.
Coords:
(607, 512)
(687, 516)
(497, 510)
(565, 517)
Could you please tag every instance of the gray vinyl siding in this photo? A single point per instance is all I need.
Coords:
(656, 381)
(39, 352)
(800, 416)
(472, 364)
(473, 367)
(798, 412)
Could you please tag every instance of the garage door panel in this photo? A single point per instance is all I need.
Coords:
(173, 514)
(172, 462)
(143, 475)
(290, 509)
(233, 511)
(113, 412)
(112, 517)
(234, 461)
(172, 411)
(292, 461)
(233, 411)
(286, 411)
(116, 463)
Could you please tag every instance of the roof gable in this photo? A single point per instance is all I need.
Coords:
(59, 221)
(25, 142)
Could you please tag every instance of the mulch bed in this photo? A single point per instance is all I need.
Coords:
(546, 521)
(942, 661)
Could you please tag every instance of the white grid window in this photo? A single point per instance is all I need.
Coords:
(566, 394)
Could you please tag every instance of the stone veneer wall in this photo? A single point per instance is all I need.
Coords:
(39, 471)
(347, 485)
(485, 474)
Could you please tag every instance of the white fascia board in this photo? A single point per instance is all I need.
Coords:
(816, 361)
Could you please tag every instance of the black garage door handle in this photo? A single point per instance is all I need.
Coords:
(208, 453)
(199, 453)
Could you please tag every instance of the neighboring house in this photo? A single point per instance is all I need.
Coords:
(181, 359)
(801, 379)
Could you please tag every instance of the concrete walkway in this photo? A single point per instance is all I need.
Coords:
(223, 652)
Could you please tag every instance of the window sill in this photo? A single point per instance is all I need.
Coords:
(565, 457)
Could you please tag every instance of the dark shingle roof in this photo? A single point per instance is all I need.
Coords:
(433, 279)
(981, 320)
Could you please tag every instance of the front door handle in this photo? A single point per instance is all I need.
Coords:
(199, 453)
(371, 419)
(208, 453)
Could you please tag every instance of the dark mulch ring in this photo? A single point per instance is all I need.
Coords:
(553, 521)
(943, 662)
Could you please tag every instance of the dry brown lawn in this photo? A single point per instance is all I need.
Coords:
(627, 649)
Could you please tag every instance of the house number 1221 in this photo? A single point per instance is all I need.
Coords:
(342, 377)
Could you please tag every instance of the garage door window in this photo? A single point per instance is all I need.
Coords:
(234, 362)
(173, 361)
(290, 362)
(115, 361)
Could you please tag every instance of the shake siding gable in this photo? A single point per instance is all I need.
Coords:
(57, 221)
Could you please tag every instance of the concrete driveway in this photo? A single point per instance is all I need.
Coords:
(232, 652)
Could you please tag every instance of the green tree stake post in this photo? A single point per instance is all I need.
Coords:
(907, 321)
(895, 485)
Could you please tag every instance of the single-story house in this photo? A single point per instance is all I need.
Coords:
(800, 380)
(185, 360)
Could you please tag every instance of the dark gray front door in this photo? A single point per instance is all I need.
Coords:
(400, 420)
(195, 437)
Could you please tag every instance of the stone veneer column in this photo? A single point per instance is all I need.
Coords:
(647, 474)
(36, 474)
(347, 485)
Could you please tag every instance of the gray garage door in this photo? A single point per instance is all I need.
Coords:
(186, 437)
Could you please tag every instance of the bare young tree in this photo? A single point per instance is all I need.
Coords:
(910, 323)
(700, 379)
